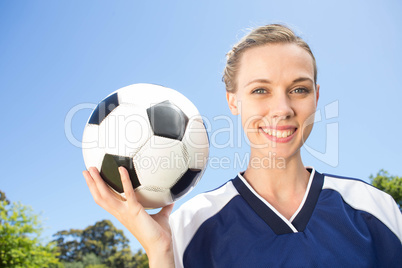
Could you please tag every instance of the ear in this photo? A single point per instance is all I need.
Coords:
(317, 94)
(232, 102)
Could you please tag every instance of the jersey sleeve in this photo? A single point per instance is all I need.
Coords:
(365, 197)
(185, 222)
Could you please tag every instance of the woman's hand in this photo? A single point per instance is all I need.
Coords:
(152, 231)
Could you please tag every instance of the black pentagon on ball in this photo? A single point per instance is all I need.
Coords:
(103, 109)
(167, 120)
(186, 181)
(110, 172)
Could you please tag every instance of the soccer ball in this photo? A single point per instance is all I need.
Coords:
(156, 133)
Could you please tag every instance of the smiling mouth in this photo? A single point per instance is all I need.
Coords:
(279, 133)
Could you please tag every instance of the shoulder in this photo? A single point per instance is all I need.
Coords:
(204, 205)
(186, 220)
(353, 189)
(365, 197)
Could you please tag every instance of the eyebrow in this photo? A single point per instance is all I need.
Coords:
(297, 80)
(302, 79)
(259, 80)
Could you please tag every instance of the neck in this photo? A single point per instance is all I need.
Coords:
(279, 183)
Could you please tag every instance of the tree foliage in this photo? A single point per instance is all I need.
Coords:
(3, 197)
(20, 244)
(140, 259)
(389, 184)
(99, 245)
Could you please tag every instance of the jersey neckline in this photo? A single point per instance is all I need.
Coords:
(278, 223)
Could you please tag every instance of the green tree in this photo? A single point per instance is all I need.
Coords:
(71, 265)
(20, 244)
(140, 259)
(69, 245)
(102, 243)
(3, 197)
(92, 261)
(389, 184)
(103, 239)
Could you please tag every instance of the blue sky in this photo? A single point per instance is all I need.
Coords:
(58, 55)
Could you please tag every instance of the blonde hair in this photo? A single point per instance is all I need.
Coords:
(268, 34)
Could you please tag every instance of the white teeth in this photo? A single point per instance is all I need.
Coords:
(277, 133)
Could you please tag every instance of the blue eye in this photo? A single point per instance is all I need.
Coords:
(259, 91)
(300, 90)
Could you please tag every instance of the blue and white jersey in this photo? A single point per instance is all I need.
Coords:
(341, 222)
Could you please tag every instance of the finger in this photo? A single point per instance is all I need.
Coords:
(91, 185)
(94, 190)
(167, 210)
(105, 192)
(162, 217)
(128, 187)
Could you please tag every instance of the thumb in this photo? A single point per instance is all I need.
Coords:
(165, 211)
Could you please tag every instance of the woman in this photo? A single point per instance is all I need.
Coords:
(282, 216)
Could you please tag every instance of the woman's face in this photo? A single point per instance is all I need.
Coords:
(276, 98)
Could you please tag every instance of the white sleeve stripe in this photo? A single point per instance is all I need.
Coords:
(369, 199)
(192, 214)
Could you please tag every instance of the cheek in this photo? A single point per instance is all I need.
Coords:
(306, 132)
(252, 116)
(307, 119)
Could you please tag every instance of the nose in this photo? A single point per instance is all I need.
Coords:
(280, 108)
